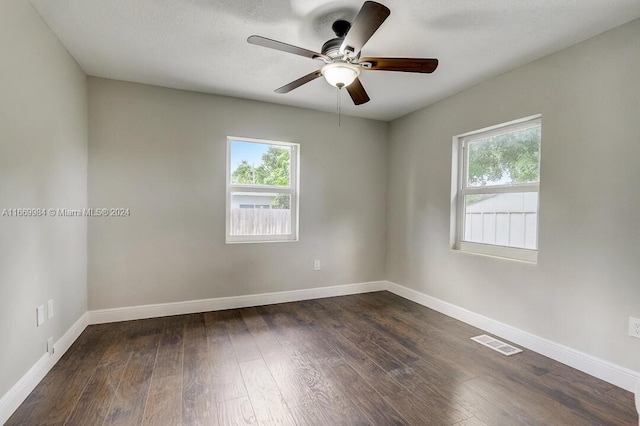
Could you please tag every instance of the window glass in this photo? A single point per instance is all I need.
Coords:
(262, 190)
(260, 164)
(504, 159)
(507, 219)
(498, 175)
(260, 213)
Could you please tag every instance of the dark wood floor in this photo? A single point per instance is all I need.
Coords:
(372, 359)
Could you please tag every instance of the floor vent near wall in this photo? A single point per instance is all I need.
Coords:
(496, 345)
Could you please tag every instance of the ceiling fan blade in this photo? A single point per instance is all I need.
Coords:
(357, 92)
(368, 20)
(284, 47)
(423, 65)
(299, 82)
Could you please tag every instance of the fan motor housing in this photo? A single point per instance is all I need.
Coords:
(332, 49)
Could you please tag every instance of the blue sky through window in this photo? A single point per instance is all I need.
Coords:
(249, 151)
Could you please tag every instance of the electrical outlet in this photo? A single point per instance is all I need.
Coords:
(316, 265)
(50, 348)
(50, 308)
(634, 327)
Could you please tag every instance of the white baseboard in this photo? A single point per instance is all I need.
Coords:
(609, 372)
(19, 392)
(617, 375)
(205, 305)
(604, 370)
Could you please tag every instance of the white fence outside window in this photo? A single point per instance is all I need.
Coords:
(509, 229)
(260, 221)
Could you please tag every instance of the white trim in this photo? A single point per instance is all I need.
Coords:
(604, 370)
(205, 305)
(493, 250)
(502, 189)
(609, 372)
(10, 401)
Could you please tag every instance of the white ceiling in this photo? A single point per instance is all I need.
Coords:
(200, 45)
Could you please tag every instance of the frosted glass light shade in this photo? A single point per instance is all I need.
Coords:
(340, 74)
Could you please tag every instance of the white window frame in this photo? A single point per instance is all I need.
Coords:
(460, 190)
(293, 190)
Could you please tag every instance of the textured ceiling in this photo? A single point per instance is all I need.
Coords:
(200, 45)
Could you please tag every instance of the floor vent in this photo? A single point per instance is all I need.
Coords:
(496, 345)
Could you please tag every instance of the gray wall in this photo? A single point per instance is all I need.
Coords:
(43, 163)
(586, 283)
(161, 153)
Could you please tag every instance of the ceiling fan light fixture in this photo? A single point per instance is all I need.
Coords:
(340, 74)
(342, 54)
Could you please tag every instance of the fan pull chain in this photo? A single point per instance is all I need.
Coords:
(339, 105)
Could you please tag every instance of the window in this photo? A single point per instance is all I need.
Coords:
(262, 191)
(496, 186)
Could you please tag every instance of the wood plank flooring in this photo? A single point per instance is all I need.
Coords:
(370, 359)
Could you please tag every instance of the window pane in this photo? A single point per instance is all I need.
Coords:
(260, 164)
(509, 158)
(509, 220)
(260, 213)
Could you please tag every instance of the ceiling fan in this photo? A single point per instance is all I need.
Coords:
(341, 55)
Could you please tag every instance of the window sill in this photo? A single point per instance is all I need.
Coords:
(499, 252)
(253, 240)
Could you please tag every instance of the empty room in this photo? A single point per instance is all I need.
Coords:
(320, 212)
